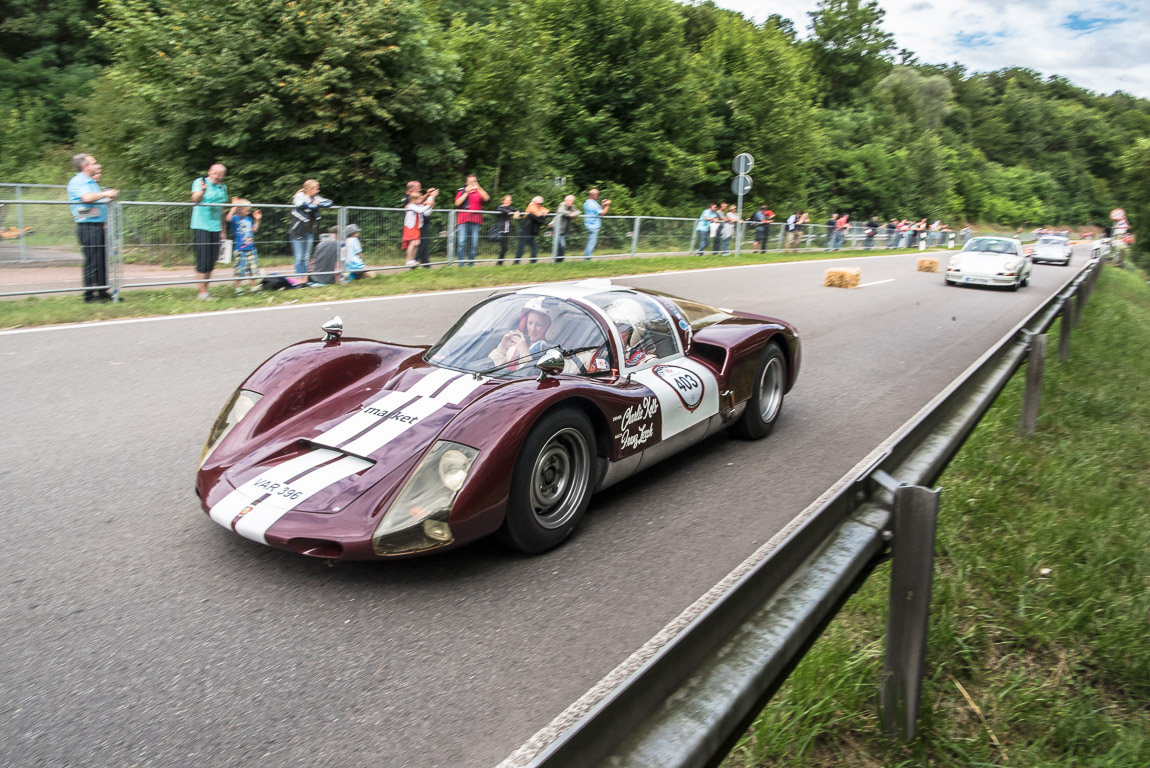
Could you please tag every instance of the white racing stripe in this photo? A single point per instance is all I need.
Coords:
(264, 515)
(231, 505)
(258, 504)
(384, 406)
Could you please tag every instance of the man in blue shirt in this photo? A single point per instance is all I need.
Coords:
(702, 234)
(90, 212)
(207, 222)
(591, 213)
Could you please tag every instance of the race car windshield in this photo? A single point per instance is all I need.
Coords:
(986, 245)
(1052, 241)
(506, 334)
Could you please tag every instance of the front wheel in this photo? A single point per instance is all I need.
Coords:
(766, 401)
(551, 482)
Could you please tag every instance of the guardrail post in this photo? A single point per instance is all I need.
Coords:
(1064, 335)
(635, 235)
(340, 237)
(912, 564)
(20, 225)
(113, 250)
(450, 236)
(1077, 314)
(1035, 362)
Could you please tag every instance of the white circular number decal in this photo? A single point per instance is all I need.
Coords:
(687, 384)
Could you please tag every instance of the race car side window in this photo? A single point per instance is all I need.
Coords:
(644, 326)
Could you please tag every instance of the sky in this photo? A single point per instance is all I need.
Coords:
(1102, 46)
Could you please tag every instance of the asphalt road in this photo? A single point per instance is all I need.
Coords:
(136, 632)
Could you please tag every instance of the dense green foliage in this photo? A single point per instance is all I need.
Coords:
(649, 99)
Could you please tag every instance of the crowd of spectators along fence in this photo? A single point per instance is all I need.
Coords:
(150, 243)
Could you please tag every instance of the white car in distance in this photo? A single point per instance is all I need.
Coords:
(1052, 249)
(989, 261)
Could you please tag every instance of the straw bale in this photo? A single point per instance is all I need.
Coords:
(927, 264)
(842, 278)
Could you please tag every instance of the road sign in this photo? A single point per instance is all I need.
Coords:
(1118, 214)
(743, 164)
(741, 184)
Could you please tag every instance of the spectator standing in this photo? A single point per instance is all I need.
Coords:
(210, 195)
(89, 211)
(469, 200)
(891, 233)
(831, 230)
(417, 207)
(966, 233)
(353, 255)
(245, 259)
(423, 253)
(563, 215)
(762, 219)
(306, 208)
(717, 228)
(702, 232)
(727, 230)
(592, 211)
(529, 229)
(871, 230)
(842, 224)
(789, 228)
(506, 212)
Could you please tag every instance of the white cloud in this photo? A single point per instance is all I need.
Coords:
(1104, 46)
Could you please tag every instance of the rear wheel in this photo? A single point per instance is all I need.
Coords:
(551, 482)
(766, 401)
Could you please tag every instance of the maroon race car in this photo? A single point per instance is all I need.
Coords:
(358, 449)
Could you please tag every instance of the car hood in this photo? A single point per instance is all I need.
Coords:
(375, 434)
(981, 262)
(1051, 248)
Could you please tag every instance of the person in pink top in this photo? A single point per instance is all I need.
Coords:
(468, 201)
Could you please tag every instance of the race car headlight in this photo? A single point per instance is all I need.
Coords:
(955, 262)
(453, 467)
(242, 402)
(418, 518)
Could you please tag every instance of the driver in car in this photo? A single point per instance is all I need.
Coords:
(527, 340)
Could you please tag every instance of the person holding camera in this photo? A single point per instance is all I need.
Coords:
(91, 216)
(469, 200)
(592, 210)
(210, 194)
(305, 223)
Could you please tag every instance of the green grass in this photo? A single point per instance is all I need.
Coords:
(1041, 603)
(35, 311)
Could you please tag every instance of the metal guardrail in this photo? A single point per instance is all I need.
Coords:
(688, 703)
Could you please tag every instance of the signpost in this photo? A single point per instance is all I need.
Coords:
(740, 186)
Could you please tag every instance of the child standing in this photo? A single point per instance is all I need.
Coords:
(417, 207)
(245, 223)
(353, 255)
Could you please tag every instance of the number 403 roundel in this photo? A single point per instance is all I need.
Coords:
(687, 384)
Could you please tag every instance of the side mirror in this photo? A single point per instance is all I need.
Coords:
(551, 362)
(332, 329)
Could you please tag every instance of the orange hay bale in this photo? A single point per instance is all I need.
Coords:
(926, 264)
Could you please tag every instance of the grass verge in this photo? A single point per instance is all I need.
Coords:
(1039, 650)
(35, 311)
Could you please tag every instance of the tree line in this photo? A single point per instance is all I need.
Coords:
(647, 99)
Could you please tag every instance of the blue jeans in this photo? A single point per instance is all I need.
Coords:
(301, 252)
(592, 238)
(699, 240)
(467, 243)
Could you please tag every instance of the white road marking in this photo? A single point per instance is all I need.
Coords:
(876, 282)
